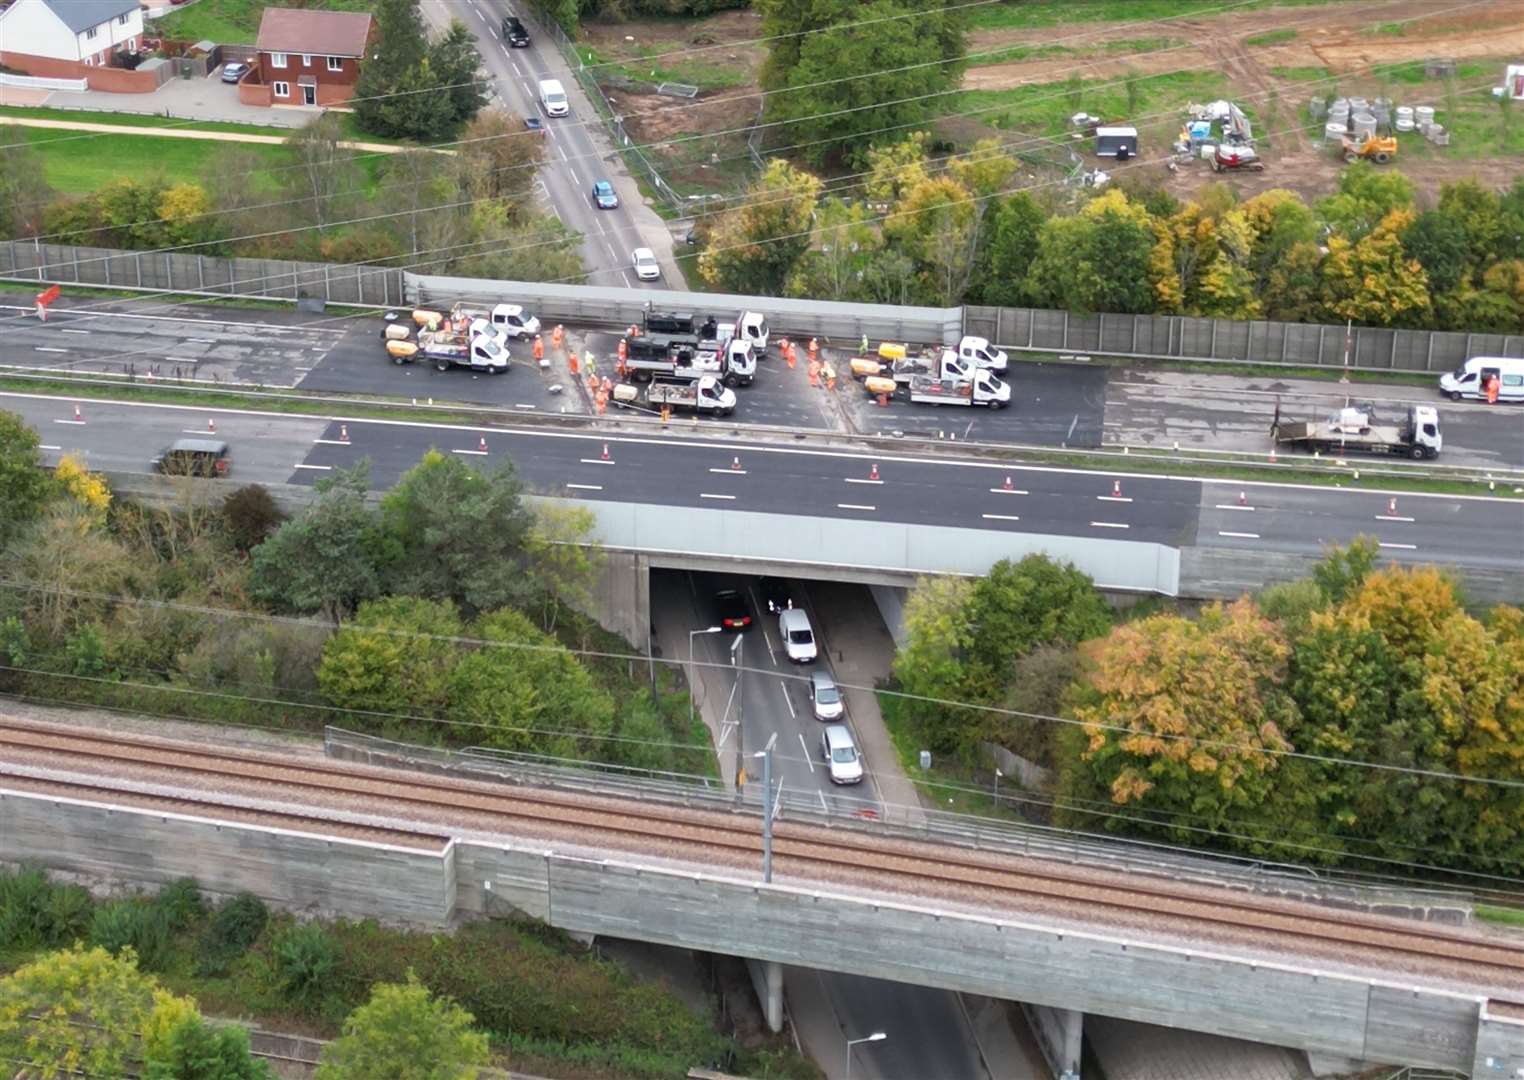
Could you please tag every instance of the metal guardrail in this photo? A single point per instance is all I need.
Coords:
(938, 827)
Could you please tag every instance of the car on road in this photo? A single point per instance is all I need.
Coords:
(535, 124)
(234, 71)
(844, 764)
(646, 266)
(732, 609)
(514, 33)
(798, 638)
(825, 695)
(553, 98)
(193, 457)
(604, 197)
(775, 594)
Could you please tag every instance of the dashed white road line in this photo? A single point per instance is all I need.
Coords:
(47, 348)
(585, 487)
(707, 495)
(1400, 547)
(1007, 491)
(333, 442)
(809, 759)
(1233, 506)
(317, 468)
(788, 700)
(516, 69)
(854, 506)
(45, 446)
(473, 453)
(78, 423)
(729, 472)
(1239, 535)
(1114, 498)
(85, 332)
(596, 461)
(1109, 525)
(1391, 517)
(860, 480)
(1000, 517)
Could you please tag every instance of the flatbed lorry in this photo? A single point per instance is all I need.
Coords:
(1353, 429)
(983, 389)
(702, 395)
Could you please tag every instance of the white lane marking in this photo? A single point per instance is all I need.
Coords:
(1000, 517)
(585, 487)
(521, 405)
(1114, 498)
(473, 453)
(303, 369)
(825, 806)
(1239, 535)
(1007, 491)
(1391, 517)
(181, 360)
(859, 480)
(809, 759)
(85, 332)
(1400, 547)
(1233, 506)
(319, 468)
(596, 461)
(854, 506)
(81, 423)
(626, 277)
(516, 69)
(561, 150)
(329, 442)
(556, 212)
(707, 495)
(575, 177)
(45, 446)
(729, 472)
(213, 341)
(47, 348)
(1109, 525)
(787, 700)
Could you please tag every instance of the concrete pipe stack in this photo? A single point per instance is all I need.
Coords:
(1363, 124)
(1404, 118)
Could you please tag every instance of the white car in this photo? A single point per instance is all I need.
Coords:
(646, 266)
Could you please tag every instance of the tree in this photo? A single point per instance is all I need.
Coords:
(192, 1049)
(531, 246)
(1280, 221)
(1293, 287)
(1374, 281)
(458, 533)
(895, 168)
(88, 489)
(429, 207)
(24, 485)
(753, 249)
(405, 1033)
(1440, 249)
(417, 106)
(74, 1012)
(931, 662)
(186, 212)
(843, 248)
(69, 560)
(937, 224)
(1097, 260)
(844, 75)
(326, 558)
(323, 174)
(400, 46)
(529, 693)
(496, 159)
(567, 562)
(24, 190)
(1365, 197)
(1010, 243)
(1180, 717)
(457, 66)
(395, 655)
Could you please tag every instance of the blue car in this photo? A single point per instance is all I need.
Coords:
(604, 197)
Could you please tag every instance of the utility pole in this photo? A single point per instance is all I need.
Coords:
(735, 662)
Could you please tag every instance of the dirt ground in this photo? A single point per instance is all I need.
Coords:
(1339, 37)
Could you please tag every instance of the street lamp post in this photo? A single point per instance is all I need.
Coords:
(766, 754)
(877, 1036)
(736, 662)
(692, 686)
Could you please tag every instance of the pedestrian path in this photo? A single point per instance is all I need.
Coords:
(191, 133)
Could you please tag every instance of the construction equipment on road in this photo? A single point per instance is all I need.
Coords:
(1377, 148)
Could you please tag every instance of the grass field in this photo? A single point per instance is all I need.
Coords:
(1016, 53)
(116, 119)
(1045, 108)
(1273, 37)
(233, 22)
(716, 74)
(1029, 13)
(78, 165)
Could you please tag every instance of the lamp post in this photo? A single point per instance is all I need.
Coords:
(998, 775)
(766, 754)
(736, 662)
(877, 1036)
(691, 687)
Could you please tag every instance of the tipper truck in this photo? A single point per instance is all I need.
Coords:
(1353, 429)
(703, 395)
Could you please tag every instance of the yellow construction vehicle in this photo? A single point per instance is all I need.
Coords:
(1377, 148)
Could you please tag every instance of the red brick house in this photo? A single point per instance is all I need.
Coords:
(306, 58)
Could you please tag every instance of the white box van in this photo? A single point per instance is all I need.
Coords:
(798, 638)
(1470, 379)
(553, 98)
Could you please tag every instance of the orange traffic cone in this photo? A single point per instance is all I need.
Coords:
(873, 473)
(482, 446)
(1243, 498)
(343, 433)
(211, 425)
(605, 451)
(1008, 485)
(735, 463)
(1116, 489)
(78, 419)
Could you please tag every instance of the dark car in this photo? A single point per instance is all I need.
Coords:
(234, 71)
(732, 610)
(775, 594)
(535, 124)
(514, 33)
(193, 457)
(604, 197)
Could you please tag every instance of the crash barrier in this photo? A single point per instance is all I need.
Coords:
(1262, 341)
(189, 272)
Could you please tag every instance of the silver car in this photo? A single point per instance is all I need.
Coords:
(843, 763)
(825, 695)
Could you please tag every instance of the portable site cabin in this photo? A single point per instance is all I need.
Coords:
(1118, 142)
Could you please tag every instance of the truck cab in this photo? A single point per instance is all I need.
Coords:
(740, 360)
(751, 327)
(1421, 430)
(978, 351)
(514, 321)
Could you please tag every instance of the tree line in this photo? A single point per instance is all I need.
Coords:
(1360, 716)
(445, 613)
(950, 231)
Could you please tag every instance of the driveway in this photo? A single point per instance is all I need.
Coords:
(207, 98)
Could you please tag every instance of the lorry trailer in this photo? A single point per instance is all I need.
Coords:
(1353, 429)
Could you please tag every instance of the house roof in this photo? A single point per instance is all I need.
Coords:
(300, 30)
(81, 15)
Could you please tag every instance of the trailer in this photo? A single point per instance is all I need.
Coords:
(983, 389)
(1353, 430)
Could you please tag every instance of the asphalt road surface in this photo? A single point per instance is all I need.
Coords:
(697, 473)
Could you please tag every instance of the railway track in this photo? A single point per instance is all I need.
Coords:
(915, 870)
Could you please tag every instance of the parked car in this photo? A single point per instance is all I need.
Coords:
(798, 638)
(514, 33)
(234, 71)
(844, 764)
(825, 695)
(604, 197)
(646, 266)
(732, 609)
(193, 457)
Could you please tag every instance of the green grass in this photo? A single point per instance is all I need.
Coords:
(1019, 53)
(1391, 29)
(717, 74)
(1023, 14)
(1274, 37)
(77, 166)
(1501, 915)
(233, 22)
(116, 119)
(1301, 74)
(1045, 108)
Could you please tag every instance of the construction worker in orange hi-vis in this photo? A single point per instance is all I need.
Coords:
(556, 335)
(539, 347)
(624, 349)
(814, 349)
(1492, 389)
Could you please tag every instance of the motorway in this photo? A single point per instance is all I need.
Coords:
(702, 473)
(577, 149)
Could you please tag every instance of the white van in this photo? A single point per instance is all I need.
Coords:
(1470, 379)
(553, 98)
(798, 638)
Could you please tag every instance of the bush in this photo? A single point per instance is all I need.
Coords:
(23, 903)
(305, 958)
(135, 924)
(251, 515)
(234, 926)
(70, 908)
(181, 904)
